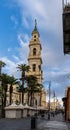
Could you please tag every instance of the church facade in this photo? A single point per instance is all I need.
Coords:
(35, 63)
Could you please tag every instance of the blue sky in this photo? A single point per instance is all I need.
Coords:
(16, 24)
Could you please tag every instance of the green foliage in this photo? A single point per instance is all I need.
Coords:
(23, 68)
(33, 85)
(2, 64)
(0, 89)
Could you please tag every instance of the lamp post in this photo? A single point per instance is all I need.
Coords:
(49, 98)
(49, 92)
(1, 97)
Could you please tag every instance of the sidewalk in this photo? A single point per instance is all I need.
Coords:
(55, 123)
(15, 124)
(68, 125)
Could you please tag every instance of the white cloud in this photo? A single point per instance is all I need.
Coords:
(10, 65)
(9, 49)
(14, 20)
(49, 17)
(15, 57)
(24, 47)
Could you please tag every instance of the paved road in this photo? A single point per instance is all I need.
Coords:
(55, 123)
(15, 124)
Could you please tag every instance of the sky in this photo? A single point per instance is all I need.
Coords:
(17, 20)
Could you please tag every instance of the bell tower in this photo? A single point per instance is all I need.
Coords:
(34, 58)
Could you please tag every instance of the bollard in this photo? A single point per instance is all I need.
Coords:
(33, 123)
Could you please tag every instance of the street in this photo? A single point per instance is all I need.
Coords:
(15, 124)
(55, 123)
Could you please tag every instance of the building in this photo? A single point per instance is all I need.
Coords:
(66, 28)
(35, 63)
(66, 102)
(16, 96)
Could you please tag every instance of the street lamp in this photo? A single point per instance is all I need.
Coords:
(1, 97)
(49, 98)
(49, 92)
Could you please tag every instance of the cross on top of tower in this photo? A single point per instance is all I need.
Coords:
(35, 23)
(35, 28)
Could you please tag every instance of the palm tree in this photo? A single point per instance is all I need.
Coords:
(12, 81)
(2, 64)
(33, 87)
(4, 78)
(4, 87)
(40, 91)
(23, 68)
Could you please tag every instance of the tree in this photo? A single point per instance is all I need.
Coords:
(23, 68)
(40, 90)
(4, 87)
(12, 81)
(33, 87)
(2, 64)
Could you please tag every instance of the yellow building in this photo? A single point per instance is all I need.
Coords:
(16, 96)
(35, 63)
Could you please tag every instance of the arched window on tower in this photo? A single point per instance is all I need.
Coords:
(34, 67)
(39, 67)
(34, 51)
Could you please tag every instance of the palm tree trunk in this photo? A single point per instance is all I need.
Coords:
(40, 97)
(28, 98)
(11, 89)
(5, 95)
(0, 70)
(10, 98)
(31, 100)
(22, 91)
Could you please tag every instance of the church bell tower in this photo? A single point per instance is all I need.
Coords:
(34, 58)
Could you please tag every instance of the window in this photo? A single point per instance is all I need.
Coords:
(34, 36)
(34, 67)
(39, 67)
(67, 38)
(34, 51)
(68, 23)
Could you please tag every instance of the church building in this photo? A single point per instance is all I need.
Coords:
(35, 63)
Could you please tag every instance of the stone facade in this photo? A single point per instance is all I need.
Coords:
(34, 58)
(68, 105)
(16, 96)
(35, 63)
(66, 102)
